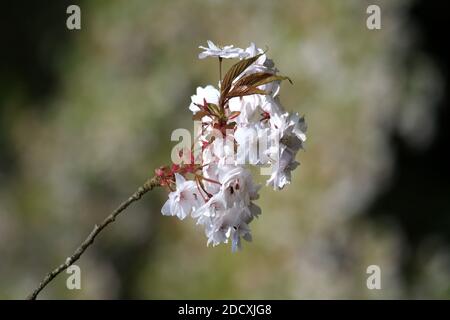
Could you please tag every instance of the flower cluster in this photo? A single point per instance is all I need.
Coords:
(241, 120)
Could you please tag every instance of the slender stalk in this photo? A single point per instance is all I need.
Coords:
(147, 186)
(220, 70)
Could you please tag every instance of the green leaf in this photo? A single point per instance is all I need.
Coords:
(213, 108)
(230, 125)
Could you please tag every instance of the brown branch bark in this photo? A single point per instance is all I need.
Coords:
(147, 186)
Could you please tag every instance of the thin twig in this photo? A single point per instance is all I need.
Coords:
(147, 186)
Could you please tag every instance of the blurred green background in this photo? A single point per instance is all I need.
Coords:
(87, 115)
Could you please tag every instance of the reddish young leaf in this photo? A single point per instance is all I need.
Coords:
(234, 72)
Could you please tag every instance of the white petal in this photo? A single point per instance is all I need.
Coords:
(203, 55)
(211, 45)
(165, 210)
(179, 179)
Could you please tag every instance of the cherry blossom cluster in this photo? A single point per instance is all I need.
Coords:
(242, 122)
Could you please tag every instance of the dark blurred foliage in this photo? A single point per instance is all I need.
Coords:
(418, 197)
(33, 41)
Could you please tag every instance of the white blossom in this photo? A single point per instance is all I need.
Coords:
(208, 93)
(262, 65)
(184, 200)
(227, 214)
(227, 52)
(290, 130)
(221, 196)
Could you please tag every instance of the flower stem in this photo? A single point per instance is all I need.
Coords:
(147, 186)
(220, 70)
